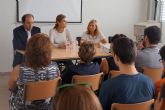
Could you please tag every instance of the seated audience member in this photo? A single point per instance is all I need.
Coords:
(21, 35)
(59, 34)
(108, 65)
(94, 35)
(37, 67)
(149, 55)
(160, 102)
(159, 83)
(130, 86)
(77, 98)
(85, 67)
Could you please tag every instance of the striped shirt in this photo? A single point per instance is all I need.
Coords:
(29, 75)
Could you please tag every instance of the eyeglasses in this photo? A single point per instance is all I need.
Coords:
(65, 86)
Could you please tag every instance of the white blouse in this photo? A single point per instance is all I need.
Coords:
(58, 38)
(94, 39)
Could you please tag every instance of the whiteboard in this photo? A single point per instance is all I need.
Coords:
(45, 11)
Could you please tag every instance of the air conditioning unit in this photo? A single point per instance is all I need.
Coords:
(139, 29)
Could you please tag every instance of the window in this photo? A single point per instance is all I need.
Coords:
(162, 10)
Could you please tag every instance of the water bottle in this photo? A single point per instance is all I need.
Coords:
(67, 44)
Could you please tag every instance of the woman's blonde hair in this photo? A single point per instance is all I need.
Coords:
(96, 32)
(38, 51)
(77, 98)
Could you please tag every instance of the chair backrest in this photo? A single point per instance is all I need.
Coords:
(94, 80)
(41, 89)
(110, 39)
(114, 73)
(154, 73)
(78, 39)
(148, 105)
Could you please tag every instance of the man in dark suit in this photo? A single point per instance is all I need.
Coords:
(21, 36)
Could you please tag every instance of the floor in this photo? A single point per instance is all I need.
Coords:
(4, 93)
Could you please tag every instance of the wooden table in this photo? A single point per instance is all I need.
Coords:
(62, 54)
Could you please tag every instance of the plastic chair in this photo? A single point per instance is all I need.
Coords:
(154, 73)
(40, 90)
(79, 40)
(94, 80)
(148, 105)
(114, 73)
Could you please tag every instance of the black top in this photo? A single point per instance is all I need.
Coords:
(20, 37)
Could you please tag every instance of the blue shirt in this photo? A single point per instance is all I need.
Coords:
(126, 89)
(80, 69)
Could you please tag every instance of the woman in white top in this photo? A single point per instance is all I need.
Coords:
(93, 34)
(59, 34)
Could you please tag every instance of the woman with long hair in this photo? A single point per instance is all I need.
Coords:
(59, 34)
(93, 33)
(37, 67)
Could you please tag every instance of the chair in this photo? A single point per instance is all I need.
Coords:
(114, 73)
(154, 73)
(148, 105)
(94, 80)
(40, 90)
(104, 67)
(110, 39)
(79, 40)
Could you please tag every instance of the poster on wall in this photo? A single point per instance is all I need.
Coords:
(45, 11)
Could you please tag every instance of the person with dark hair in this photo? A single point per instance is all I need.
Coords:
(160, 101)
(85, 67)
(59, 34)
(159, 83)
(149, 55)
(130, 86)
(37, 67)
(108, 63)
(77, 98)
(21, 36)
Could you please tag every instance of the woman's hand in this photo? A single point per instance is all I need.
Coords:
(62, 45)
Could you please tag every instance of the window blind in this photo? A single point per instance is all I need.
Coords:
(162, 18)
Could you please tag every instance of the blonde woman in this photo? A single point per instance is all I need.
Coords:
(93, 33)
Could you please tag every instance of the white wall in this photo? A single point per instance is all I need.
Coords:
(114, 16)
